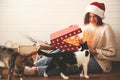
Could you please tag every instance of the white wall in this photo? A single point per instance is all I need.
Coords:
(39, 18)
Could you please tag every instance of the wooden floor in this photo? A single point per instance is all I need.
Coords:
(114, 75)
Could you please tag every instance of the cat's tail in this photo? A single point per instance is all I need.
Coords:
(44, 53)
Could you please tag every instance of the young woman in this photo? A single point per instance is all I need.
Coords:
(100, 38)
(101, 41)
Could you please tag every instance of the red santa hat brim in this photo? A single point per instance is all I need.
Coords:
(96, 10)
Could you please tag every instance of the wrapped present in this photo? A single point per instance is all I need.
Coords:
(66, 39)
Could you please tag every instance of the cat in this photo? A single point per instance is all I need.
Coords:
(63, 59)
(14, 62)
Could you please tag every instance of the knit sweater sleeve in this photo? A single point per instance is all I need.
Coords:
(109, 49)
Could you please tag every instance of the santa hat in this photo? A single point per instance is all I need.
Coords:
(96, 8)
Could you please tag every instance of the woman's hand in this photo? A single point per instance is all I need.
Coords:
(93, 51)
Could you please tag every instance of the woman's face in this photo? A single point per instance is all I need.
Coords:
(93, 19)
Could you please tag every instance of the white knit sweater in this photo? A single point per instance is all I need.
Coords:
(102, 39)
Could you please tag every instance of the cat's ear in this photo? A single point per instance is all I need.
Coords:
(85, 42)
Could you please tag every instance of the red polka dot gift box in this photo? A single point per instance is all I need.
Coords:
(66, 39)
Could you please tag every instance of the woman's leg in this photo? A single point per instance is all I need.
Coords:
(41, 70)
(93, 66)
(43, 62)
(40, 65)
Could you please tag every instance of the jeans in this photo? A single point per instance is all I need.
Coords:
(43, 62)
(93, 66)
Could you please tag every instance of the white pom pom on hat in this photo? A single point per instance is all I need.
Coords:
(96, 8)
